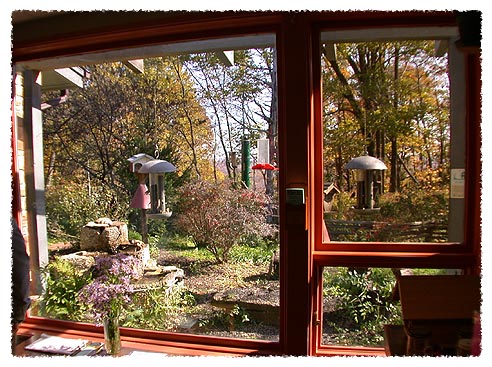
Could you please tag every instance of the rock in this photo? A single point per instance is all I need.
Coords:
(89, 238)
(103, 236)
(138, 249)
(104, 220)
(151, 265)
(160, 277)
(173, 278)
(169, 269)
(189, 324)
(81, 260)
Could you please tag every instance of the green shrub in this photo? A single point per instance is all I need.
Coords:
(363, 298)
(133, 234)
(229, 320)
(70, 206)
(415, 205)
(254, 255)
(155, 308)
(63, 282)
(341, 205)
(364, 295)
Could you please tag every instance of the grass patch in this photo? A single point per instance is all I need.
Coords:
(253, 255)
(185, 247)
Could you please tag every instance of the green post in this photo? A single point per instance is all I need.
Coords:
(246, 163)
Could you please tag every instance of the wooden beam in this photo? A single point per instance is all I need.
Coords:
(34, 172)
(294, 116)
(226, 57)
(440, 47)
(63, 78)
(159, 50)
(137, 66)
(330, 51)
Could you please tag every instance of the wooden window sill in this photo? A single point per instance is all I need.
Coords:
(147, 341)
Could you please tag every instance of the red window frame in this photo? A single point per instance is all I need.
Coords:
(299, 153)
(464, 256)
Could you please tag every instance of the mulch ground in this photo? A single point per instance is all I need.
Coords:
(250, 282)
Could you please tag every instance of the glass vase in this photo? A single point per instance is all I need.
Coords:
(112, 340)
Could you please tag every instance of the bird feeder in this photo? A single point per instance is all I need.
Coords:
(263, 150)
(156, 169)
(265, 166)
(152, 203)
(141, 198)
(366, 174)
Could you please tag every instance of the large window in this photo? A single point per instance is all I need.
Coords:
(393, 164)
(208, 235)
(393, 175)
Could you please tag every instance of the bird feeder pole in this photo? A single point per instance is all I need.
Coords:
(246, 162)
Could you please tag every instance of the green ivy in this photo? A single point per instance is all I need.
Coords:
(62, 284)
(364, 304)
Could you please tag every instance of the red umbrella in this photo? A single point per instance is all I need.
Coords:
(266, 166)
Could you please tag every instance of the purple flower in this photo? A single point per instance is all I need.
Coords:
(109, 292)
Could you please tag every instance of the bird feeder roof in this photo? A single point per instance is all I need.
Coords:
(157, 166)
(366, 162)
(140, 157)
(265, 166)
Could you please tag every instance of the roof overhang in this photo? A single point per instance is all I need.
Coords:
(180, 48)
(63, 78)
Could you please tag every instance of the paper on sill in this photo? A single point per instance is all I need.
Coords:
(56, 345)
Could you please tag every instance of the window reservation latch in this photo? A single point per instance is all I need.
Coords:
(317, 321)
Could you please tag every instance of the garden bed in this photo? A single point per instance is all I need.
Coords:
(239, 300)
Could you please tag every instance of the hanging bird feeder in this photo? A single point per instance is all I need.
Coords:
(264, 167)
(156, 169)
(366, 174)
(141, 198)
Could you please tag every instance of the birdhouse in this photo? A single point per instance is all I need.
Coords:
(329, 194)
(367, 171)
(138, 160)
(156, 169)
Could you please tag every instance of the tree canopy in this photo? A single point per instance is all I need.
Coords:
(377, 94)
(190, 110)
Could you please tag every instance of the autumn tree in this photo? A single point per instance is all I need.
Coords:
(377, 93)
(169, 116)
(117, 114)
(84, 139)
(240, 99)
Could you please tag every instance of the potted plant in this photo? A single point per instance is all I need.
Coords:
(108, 294)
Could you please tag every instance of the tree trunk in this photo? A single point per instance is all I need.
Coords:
(394, 184)
(394, 167)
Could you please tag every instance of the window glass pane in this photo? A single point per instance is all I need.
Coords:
(203, 223)
(358, 302)
(387, 155)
